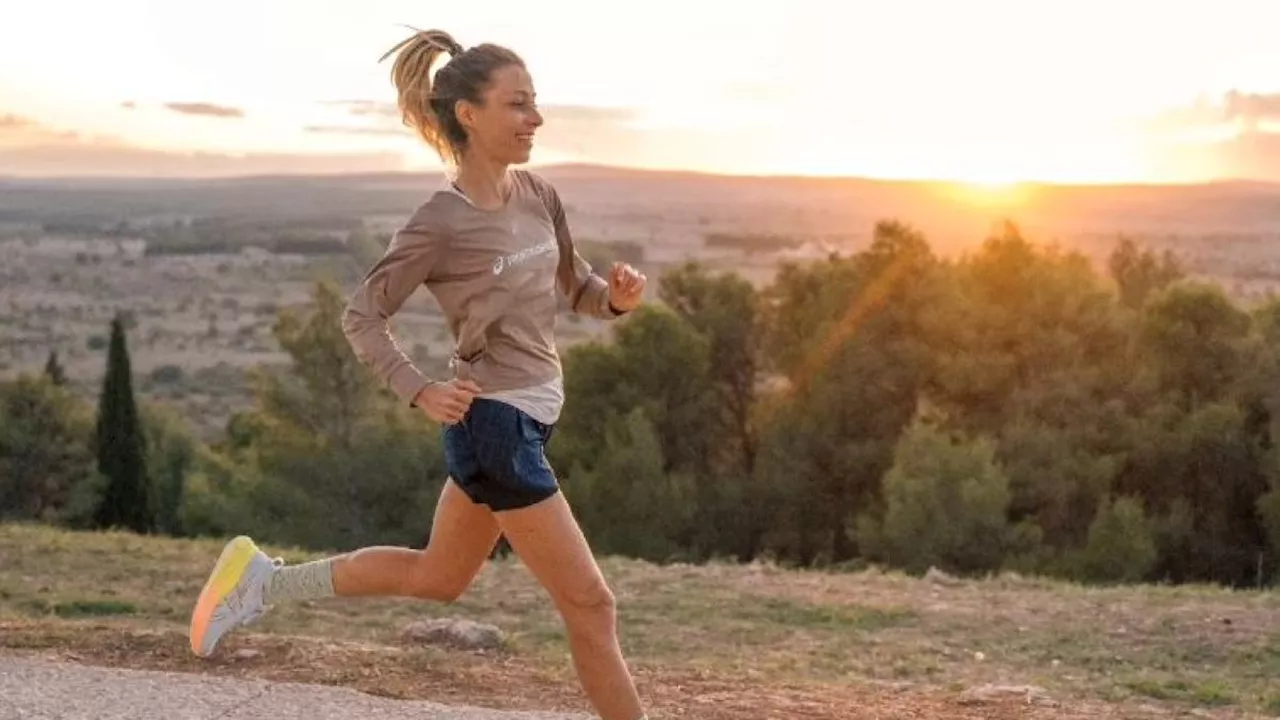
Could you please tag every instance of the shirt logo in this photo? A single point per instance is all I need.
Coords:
(505, 261)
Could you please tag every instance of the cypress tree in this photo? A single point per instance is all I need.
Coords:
(54, 370)
(120, 444)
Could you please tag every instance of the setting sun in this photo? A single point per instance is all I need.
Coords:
(994, 192)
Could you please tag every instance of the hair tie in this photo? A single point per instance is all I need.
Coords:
(454, 48)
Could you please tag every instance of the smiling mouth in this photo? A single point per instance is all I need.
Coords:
(526, 138)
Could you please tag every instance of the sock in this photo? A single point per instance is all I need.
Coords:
(300, 582)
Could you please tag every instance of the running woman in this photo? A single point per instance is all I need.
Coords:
(494, 248)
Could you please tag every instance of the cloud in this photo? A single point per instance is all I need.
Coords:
(206, 109)
(554, 113)
(1228, 136)
(584, 131)
(1251, 107)
(91, 160)
(363, 108)
(589, 115)
(1233, 108)
(9, 122)
(1251, 155)
(615, 136)
(343, 130)
(16, 130)
(28, 149)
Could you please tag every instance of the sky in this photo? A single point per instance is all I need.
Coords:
(982, 91)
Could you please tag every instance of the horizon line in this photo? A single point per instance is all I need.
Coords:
(625, 169)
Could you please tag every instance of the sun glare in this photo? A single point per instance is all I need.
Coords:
(989, 193)
(992, 185)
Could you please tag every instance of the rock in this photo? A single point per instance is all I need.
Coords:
(454, 632)
(894, 687)
(246, 654)
(990, 693)
(938, 577)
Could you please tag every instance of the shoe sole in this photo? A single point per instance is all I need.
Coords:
(226, 574)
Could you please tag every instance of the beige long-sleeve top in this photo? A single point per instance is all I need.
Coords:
(496, 275)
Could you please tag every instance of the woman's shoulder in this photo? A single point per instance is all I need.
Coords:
(433, 213)
(539, 186)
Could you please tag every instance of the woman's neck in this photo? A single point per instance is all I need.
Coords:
(484, 182)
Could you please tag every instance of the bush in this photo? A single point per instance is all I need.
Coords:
(1121, 546)
(946, 501)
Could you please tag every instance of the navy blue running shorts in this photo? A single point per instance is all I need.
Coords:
(497, 456)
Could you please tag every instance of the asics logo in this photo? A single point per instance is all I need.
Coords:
(505, 261)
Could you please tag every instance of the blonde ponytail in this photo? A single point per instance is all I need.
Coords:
(427, 101)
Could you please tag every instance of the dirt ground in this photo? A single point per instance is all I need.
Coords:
(500, 681)
(714, 641)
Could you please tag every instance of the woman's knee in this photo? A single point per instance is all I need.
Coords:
(592, 609)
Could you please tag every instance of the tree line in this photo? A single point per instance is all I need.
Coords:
(1013, 408)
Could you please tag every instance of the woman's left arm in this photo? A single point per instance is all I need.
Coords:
(589, 293)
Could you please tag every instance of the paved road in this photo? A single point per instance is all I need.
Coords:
(31, 690)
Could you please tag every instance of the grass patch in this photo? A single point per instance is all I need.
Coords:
(1125, 647)
(1205, 694)
(836, 618)
(93, 608)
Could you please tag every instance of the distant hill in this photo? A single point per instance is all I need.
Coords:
(652, 203)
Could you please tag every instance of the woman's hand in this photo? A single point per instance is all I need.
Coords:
(626, 287)
(447, 402)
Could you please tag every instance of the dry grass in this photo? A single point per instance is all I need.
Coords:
(714, 641)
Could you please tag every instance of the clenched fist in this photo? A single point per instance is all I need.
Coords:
(447, 402)
(626, 287)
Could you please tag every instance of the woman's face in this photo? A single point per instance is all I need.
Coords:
(502, 126)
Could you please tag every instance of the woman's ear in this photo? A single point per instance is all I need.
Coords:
(466, 113)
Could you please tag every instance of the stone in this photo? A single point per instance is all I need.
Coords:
(454, 632)
(992, 693)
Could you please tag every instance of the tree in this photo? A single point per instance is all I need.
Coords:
(629, 505)
(331, 461)
(945, 505)
(1138, 273)
(1121, 545)
(850, 337)
(171, 452)
(327, 391)
(1268, 508)
(725, 310)
(658, 362)
(1032, 350)
(1194, 335)
(121, 444)
(658, 365)
(45, 449)
(53, 369)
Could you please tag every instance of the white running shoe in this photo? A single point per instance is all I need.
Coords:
(233, 594)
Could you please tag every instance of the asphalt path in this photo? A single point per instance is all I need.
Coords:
(37, 689)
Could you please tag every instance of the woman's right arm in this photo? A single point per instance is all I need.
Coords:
(409, 260)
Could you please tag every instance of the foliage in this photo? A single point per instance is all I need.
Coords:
(1015, 407)
(127, 500)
